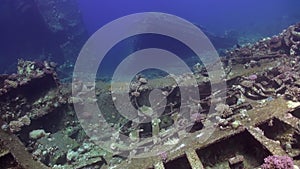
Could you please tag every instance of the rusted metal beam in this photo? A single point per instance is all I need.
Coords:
(194, 160)
(159, 165)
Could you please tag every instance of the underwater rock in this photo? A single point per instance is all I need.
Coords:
(36, 134)
(292, 93)
(72, 156)
(10, 83)
(143, 80)
(16, 125)
(236, 124)
(275, 43)
(224, 110)
(135, 94)
(25, 120)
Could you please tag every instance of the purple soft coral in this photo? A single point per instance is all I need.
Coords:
(278, 162)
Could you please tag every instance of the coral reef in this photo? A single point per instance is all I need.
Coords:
(278, 162)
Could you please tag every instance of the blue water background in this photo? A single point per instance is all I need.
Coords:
(263, 17)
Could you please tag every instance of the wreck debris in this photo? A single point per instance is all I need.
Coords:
(286, 43)
(259, 85)
(18, 150)
(236, 162)
(16, 93)
(257, 93)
